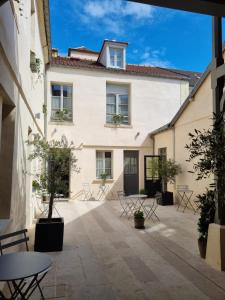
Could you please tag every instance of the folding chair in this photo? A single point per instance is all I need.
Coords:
(126, 204)
(24, 240)
(87, 191)
(43, 205)
(184, 195)
(150, 210)
(102, 192)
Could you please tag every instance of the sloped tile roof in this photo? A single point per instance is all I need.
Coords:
(72, 62)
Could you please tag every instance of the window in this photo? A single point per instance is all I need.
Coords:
(162, 152)
(61, 102)
(117, 103)
(116, 57)
(103, 164)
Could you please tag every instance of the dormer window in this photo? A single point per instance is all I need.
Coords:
(116, 57)
(113, 54)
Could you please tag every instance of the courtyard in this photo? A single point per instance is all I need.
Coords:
(104, 257)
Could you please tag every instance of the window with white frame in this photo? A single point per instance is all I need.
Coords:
(116, 57)
(61, 109)
(103, 164)
(117, 103)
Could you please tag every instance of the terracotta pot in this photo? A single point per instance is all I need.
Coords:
(139, 223)
(202, 243)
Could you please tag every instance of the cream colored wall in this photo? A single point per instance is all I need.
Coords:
(197, 115)
(81, 55)
(153, 101)
(24, 92)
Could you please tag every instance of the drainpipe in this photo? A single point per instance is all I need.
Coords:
(45, 103)
(174, 143)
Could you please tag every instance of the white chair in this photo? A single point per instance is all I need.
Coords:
(126, 204)
(102, 192)
(150, 209)
(87, 191)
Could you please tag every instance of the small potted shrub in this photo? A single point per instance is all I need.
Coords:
(118, 119)
(168, 169)
(103, 178)
(139, 220)
(207, 214)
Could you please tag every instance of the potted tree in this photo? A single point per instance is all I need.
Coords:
(56, 158)
(207, 151)
(139, 220)
(207, 213)
(168, 169)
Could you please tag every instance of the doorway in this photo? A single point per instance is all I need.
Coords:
(131, 173)
(153, 182)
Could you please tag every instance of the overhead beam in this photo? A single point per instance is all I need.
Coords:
(208, 7)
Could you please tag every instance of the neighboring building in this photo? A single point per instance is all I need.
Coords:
(24, 51)
(196, 112)
(88, 91)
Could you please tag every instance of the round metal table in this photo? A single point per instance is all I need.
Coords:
(138, 201)
(23, 271)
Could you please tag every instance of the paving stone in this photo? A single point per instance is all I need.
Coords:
(105, 258)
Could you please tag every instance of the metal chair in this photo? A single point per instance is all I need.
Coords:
(184, 195)
(126, 204)
(43, 205)
(21, 238)
(102, 192)
(87, 191)
(150, 210)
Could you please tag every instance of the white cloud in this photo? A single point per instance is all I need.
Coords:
(102, 8)
(111, 17)
(155, 58)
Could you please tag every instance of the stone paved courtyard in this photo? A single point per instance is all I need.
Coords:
(104, 257)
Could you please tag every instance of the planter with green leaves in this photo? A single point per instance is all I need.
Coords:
(35, 63)
(167, 169)
(207, 214)
(56, 157)
(139, 220)
(118, 119)
(62, 115)
(103, 178)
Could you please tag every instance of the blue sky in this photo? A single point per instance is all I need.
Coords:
(156, 36)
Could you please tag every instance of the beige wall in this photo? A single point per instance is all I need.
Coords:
(197, 115)
(22, 94)
(153, 101)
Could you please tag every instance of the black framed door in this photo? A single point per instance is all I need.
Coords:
(153, 183)
(131, 174)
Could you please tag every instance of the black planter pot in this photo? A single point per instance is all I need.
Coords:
(202, 243)
(139, 223)
(165, 198)
(49, 235)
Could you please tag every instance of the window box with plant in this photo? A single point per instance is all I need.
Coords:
(139, 220)
(57, 157)
(35, 63)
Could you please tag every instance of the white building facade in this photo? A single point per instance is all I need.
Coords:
(107, 108)
(24, 52)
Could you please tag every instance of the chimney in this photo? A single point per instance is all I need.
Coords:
(54, 52)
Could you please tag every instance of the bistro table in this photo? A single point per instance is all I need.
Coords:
(23, 271)
(138, 201)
